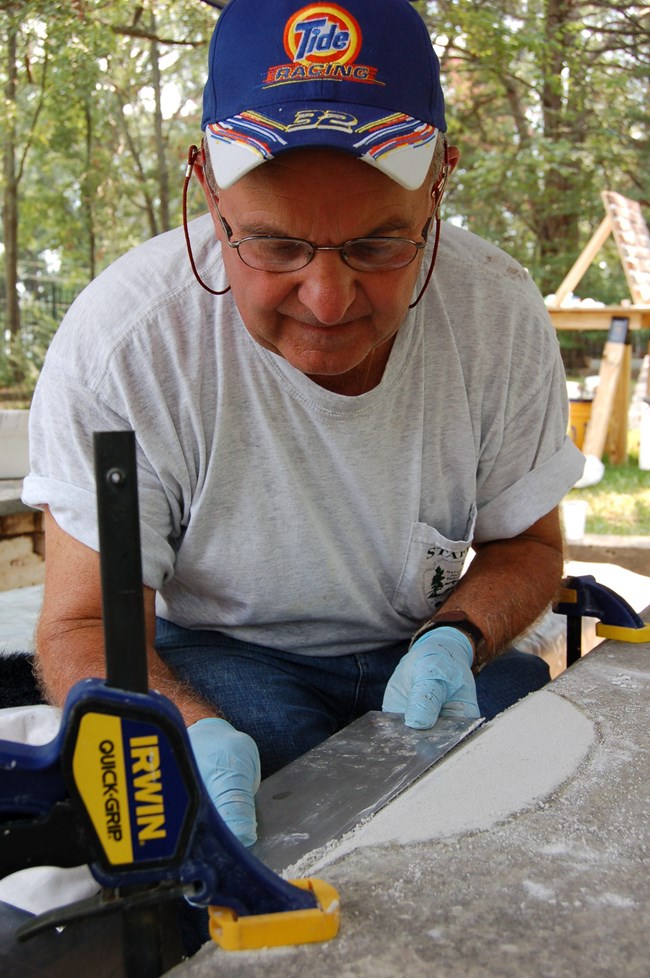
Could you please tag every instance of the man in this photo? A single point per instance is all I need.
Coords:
(325, 424)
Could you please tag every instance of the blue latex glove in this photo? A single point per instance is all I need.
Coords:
(229, 764)
(434, 679)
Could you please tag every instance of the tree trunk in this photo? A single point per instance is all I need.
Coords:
(558, 223)
(149, 206)
(88, 194)
(161, 154)
(10, 211)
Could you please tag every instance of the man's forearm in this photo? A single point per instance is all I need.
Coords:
(69, 653)
(510, 583)
(504, 592)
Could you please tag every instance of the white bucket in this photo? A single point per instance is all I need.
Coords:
(14, 444)
(574, 518)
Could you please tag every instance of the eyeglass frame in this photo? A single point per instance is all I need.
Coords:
(235, 244)
(193, 156)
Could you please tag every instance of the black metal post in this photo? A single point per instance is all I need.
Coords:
(573, 639)
(120, 560)
(125, 648)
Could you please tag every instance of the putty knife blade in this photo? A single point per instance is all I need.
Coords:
(331, 789)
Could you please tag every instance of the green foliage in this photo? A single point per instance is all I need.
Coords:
(620, 503)
(548, 101)
(24, 354)
(92, 186)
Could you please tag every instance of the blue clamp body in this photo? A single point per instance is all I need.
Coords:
(582, 596)
(118, 788)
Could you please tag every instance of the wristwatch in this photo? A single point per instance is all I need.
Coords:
(458, 619)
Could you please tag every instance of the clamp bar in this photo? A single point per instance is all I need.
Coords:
(120, 560)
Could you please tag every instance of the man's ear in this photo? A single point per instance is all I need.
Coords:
(199, 164)
(453, 156)
(199, 170)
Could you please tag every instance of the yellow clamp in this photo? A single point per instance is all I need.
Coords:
(620, 633)
(320, 923)
(566, 595)
(623, 634)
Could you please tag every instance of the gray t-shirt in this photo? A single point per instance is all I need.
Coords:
(274, 510)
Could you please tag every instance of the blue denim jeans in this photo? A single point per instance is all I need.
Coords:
(289, 703)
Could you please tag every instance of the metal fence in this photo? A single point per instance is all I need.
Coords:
(49, 296)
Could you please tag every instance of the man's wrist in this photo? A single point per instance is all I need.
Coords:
(459, 620)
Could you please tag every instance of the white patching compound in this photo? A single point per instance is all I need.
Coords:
(510, 765)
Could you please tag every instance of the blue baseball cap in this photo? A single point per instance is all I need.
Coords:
(359, 76)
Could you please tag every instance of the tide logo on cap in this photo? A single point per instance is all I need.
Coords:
(322, 41)
(321, 33)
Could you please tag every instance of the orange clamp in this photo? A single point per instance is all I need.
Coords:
(320, 923)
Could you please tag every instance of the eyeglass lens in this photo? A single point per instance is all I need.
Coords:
(363, 254)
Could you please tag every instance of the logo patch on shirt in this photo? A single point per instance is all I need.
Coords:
(442, 571)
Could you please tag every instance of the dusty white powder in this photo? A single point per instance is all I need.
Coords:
(510, 765)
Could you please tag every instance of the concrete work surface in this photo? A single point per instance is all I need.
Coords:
(525, 852)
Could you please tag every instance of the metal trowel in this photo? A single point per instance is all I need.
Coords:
(328, 791)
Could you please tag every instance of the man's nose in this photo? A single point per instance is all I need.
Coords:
(328, 287)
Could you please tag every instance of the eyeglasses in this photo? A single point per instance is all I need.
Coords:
(194, 158)
(272, 253)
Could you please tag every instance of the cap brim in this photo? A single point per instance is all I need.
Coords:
(397, 144)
